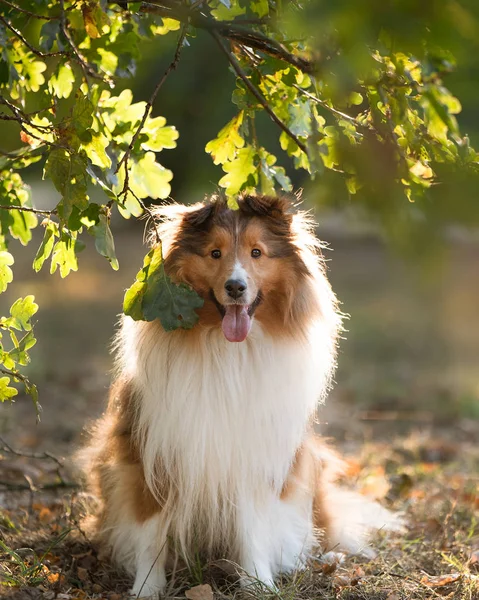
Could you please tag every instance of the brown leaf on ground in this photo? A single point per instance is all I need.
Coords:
(474, 560)
(440, 580)
(200, 592)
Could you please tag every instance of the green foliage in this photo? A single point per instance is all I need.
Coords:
(358, 99)
(21, 313)
(155, 296)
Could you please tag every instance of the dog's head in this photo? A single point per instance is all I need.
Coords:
(257, 262)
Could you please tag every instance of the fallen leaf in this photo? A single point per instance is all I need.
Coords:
(82, 574)
(440, 580)
(341, 581)
(474, 559)
(357, 576)
(55, 577)
(200, 592)
(328, 568)
(45, 515)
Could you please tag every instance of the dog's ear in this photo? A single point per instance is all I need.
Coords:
(275, 207)
(201, 215)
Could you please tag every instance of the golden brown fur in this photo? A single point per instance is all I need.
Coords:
(200, 434)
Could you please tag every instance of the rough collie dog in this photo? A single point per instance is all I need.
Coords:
(207, 443)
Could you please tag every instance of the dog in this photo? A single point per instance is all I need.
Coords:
(207, 444)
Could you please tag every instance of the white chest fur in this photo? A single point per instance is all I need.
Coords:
(223, 420)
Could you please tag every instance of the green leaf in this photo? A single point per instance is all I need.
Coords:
(155, 296)
(300, 118)
(271, 174)
(168, 25)
(104, 242)
(61, 82)
(64, 254)
(224, 147)
(96, 150)
(21, 311)
(46, 247)
(48, 34)
(33, 72)
(82, 113)
(69, 175)
(355, 98)
(222, 12)
(6, 274)
(149, 178)
(159, 136)
(6, 392)
(260, 7)
(19, 354)
(238, 171)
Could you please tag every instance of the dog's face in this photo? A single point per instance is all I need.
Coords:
(244, 263)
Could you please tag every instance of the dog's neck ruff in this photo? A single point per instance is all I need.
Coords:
(205, 407)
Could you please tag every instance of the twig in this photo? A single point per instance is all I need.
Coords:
(27, 12)
(35, 455)
(5, 447)
(331, 109)
(125, 158)
(36, 211)
(232, 30)
(257, 94)
(84, 64)
(16, 374)
(27, 44)
(150, 215)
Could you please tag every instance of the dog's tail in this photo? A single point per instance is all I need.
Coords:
(347, 519)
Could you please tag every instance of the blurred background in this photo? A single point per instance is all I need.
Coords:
(410, 352)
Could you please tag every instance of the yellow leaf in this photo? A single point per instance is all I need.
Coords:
(200, 592)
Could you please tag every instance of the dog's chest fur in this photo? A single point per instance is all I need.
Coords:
(223, 420)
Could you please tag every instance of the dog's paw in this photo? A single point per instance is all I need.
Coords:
(146, 592)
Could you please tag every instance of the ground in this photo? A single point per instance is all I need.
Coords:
(404, 414)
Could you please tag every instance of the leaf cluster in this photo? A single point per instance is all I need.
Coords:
(352, 96)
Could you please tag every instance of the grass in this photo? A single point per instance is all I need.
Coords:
(431, 478)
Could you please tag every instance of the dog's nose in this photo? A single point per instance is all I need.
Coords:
(235, 288)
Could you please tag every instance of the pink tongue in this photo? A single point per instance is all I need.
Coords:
(236, 323)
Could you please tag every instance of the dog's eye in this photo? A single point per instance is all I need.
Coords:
(216, 253)
(255, 253)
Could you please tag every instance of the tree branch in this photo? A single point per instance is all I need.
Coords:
(27, 12)
(16, 375)
(125, 158)
(80, 59)
(232, 30)
(36, 211)
(331, 109)
(257, 94)
(39, 456)
(27, 44)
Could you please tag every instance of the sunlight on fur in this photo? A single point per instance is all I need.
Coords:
(207, 443)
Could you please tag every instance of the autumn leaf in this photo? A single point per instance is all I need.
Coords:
(440, 580)
(200, 592)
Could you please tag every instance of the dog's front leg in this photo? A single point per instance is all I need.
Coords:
(254, 547)
(150, 547)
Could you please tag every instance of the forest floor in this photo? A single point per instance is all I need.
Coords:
(431, 476)
(408, 429)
